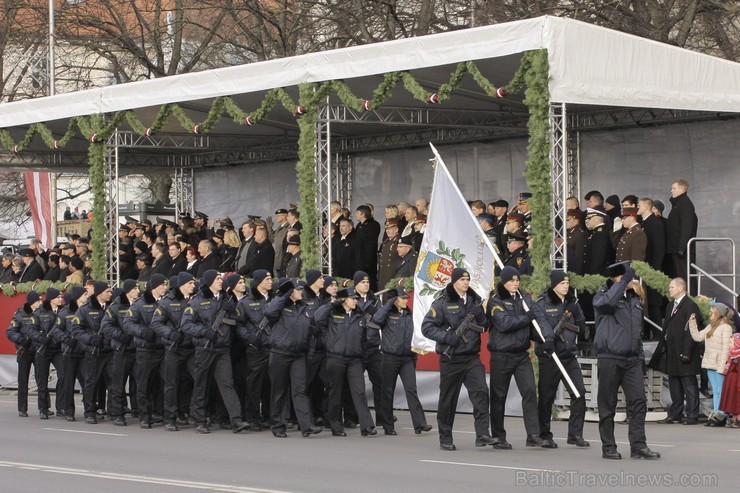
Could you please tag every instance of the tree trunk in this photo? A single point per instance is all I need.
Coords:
(160, 186)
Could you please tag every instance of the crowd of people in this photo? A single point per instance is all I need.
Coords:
(218, 328)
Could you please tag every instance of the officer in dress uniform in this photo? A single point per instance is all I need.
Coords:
(632, 243)
(518, 256)
(388, 257)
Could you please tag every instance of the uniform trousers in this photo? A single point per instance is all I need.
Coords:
(74, 369)
(317, 385)
(214, 364)
(258, 385)
(338, 370)
(288, 384)
(626, 373)
(43, 366)
(25, 358)
(98, 371)
(405, 367)
(177, 361)
(503, 367)
(550, 378)
(683, 388)
(373, 363)
(453, 374)
(123, 370)
(149, 363)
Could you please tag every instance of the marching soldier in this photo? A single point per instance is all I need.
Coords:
(98, 352)
(397, 325)
(209, 320)
(179, 355)
(459, 360)
(509, 343)
(48, 351)
(149, 349)
(563, 313)
(18, 333)
(289, 342)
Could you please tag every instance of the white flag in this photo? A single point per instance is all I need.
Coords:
(453, 238)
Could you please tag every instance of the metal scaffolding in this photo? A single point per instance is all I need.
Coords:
(113, 274)
(324, 194)
(183, 183)
(560, 188)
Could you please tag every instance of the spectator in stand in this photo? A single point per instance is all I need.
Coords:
(717, 339)
(612, 206)
(53, 272)
(410, 215)
(368, 232)
(407, 257)
(500, 211)
(7, 274)
(576, 241)
(478, 207)
(594, 199)
(67, 214)
(632, 243)
(682, 226)
(422, 205)
(346, 250)
(32, 270)
(388, 257)
(654, 255)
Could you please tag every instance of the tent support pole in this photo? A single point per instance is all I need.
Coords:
(324, 181)
(111, 208)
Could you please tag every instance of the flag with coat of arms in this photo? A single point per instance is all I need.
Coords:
(453, 238)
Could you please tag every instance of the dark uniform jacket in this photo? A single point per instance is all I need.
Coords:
(8, 275)
(677, 354)
(397, 327)
(618, 322)
(177, 265)
(249, 315)
(519, 259)
(406, 266)
(599, 251)
(312, 302)
(446, 314)
(162, 265)
(198, 318)
(682, 224)
(20, 325)
(369, 306)
(632, 245)
(86, 327)
(511, 325)
(167, 318)
(292, 326)
(111, 326)
(138, 322)
(294, 266)
(367, 234)
(344, 333)
(53, 274)
(500, 233)
(62, 331)
(576, 249)
(40, 331)
(554, 310)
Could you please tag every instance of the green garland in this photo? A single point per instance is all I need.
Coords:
(537, 99)
(306, 177)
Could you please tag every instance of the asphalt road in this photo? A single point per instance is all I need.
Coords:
(58, 456)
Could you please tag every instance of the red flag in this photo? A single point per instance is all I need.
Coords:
(39, 196)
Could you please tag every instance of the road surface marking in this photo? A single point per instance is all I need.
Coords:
(87, 432)
(486, 465)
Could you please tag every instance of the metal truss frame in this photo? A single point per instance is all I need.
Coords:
(112, 157)
(324, 195)
(184, 188)
(560, 187)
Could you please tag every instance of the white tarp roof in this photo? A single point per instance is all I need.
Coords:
(588, 65)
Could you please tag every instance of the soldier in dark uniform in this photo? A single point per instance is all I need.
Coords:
(209, 320)
(397, 326)
(560, 307)
(295, 263)
(289, 343)
(48, 351)
(98, 351)
(487, 223)
(19, 334)
(316, 356)
(463, 365)
(518, 257)
(632, 244)
(407, 257)
(500, 212)
(368, 304)
(599, 250)
(124, 350)
(253, 331)
(511, 327)
(179, 356)
(388, 253)
(620, 361)
(72, 354)
(344, 330)
(576, 240)
(200, 222)
(522, 206)
(149, 350)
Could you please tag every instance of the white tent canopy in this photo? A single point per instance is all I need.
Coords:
(588, 65)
